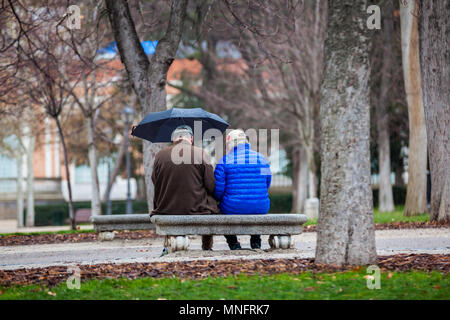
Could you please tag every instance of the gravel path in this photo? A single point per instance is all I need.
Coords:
(433, 241)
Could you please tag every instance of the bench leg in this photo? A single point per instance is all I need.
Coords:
(177, 243)
(106, 236)
(281, 241)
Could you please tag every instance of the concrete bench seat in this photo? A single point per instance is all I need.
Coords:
(280, 227)
(105, 225)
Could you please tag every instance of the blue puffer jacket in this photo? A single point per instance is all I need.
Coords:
(242, 182)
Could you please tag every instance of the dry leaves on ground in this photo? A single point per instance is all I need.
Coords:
(201, 269)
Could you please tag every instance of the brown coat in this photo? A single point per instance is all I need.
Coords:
(183, 188)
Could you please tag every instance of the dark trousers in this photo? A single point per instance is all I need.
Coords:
(207, 242)
(254, 239)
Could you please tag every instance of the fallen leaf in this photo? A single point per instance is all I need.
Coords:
(52, 294)
(309, 288)
(390, 274)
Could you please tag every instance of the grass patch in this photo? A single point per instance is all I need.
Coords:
(340, 285)
(389, 217)
(397, 216)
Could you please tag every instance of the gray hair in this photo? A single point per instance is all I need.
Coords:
(182, 132)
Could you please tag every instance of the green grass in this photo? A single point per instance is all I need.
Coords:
(389, 217)
(397, 216)
(340, 285)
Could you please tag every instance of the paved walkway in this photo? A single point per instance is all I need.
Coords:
(148, 250)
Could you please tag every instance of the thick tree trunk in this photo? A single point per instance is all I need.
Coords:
(300, 178)
(96, 207)
(20, 199)
(30, 182)
(66, 165)
(435, 66)
(385, 197)
(416, 202)
(148, 78)
(345, 226)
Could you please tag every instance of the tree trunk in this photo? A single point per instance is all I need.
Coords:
(66, 165)
(385, 197)
(96, 207)
(399, 182)
(312, 184)
(416, 202)
(300, 178)
(116, 169)
(345, 226)
(19, 180)
(30, 182)
(147, 78)
(435, 64)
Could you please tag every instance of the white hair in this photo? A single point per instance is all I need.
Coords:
(235, 138)
(180, 133)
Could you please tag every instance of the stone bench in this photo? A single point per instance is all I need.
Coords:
(279, 227)
(106, 225)
(177, 228)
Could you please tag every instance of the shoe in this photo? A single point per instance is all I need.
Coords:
(236, 246)
(164, 252)
(255, 245)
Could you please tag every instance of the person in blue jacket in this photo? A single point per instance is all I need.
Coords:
(242, 182)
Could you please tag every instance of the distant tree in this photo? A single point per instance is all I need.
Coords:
(385, 196)
(416, 201)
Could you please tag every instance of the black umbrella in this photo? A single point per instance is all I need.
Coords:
(158, 126)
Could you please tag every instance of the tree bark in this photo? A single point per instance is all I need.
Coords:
(66, 165)
(345, 226)
(312, 184)
(435, 67)
(96, 207)
(385, 196)
(20, 199)
(147, 78)
(30, 182)
(416, 202)
(116, 169)
(300, 180)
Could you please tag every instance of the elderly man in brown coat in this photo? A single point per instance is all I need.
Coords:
(184, 180)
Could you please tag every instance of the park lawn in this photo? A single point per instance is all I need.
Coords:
(388, 217)
(397, 216)
(340, 285)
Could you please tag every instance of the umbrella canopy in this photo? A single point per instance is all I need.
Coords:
(158, 126)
